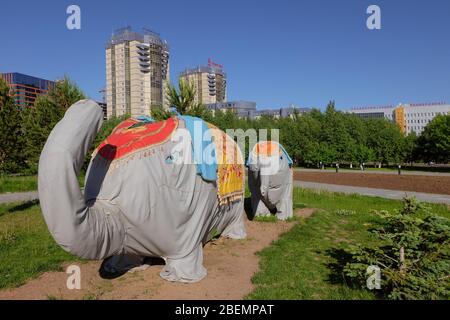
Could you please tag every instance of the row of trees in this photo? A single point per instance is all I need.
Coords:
(23, 132)
(331, 136)
(328, 137)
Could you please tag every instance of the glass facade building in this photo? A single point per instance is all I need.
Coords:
(25, 89)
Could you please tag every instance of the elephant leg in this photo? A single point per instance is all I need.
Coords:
(258, 206)
(284, 208)
(284, 205)
(186, 269)
(235, 225)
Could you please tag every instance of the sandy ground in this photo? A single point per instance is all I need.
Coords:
(230, 264)
(417, 183)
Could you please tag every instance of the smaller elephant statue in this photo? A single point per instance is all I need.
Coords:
(270, 180)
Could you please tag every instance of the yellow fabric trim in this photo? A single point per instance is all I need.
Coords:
(230, 167)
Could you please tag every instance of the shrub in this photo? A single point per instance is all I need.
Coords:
(412, 250)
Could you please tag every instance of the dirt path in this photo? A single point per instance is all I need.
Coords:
(230, 264)
(417, 183)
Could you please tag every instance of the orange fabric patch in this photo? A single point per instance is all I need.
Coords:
(267, 148)
(132, 135)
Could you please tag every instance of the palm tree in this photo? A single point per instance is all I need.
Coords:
(182, 99)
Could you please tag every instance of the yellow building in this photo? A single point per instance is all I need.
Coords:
(209, 82)
(137, 69)
(399, 118)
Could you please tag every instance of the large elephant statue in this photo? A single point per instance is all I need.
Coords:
(270, 180)
(138, 200)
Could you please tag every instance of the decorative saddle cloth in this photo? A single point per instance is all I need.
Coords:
(268, 149)
(230, 167)
(132, 135)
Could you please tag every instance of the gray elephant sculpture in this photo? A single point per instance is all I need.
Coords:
(270, 180)
(138, 202)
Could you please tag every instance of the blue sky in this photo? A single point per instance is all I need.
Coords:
(274, 52)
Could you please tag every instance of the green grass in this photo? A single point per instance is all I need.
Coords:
(306, 262)
(23, 183)
(302, 264)
(18, 183)
(26, 247)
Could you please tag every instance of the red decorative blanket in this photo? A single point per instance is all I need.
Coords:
(133, 135)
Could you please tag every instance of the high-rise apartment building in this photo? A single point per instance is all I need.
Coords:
(409, 117)
(137, 70)
(25, 89)
(210, 83)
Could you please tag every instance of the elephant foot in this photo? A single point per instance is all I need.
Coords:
(285, 210)
(236, 230)
(116, 266)
(260, 209)
(187, 269)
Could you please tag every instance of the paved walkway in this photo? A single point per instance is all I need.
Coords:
(404, 172)
(384, 193)
(18, 196)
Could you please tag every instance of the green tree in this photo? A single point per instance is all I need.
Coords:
(183, 98)
(409, 147)
(158, 113)
(321, 152)
(64, 94)
(434, 142)
(47, 111)
(363, 154)
(200, 111)
(11, 136)
(385, 139)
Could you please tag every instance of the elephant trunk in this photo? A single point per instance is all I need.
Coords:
(264, 188)
(87, 231)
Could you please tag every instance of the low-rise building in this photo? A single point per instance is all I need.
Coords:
(245, 109)
(411, 117)
(25, 89)
(378, 112)
(282, 112)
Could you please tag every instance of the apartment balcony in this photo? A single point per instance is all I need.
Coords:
(144, 59)
(143, 52)
(144, 65)
(143, 46)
